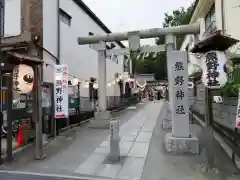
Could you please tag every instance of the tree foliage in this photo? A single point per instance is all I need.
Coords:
(158, 65)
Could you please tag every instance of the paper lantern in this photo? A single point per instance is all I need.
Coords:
(109, 84)
(95, 85)
(75, 81)
(190, 85)
(214, 75)
(218, 99)
(23, 78)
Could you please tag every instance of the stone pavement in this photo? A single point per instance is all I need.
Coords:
(83, 153)
(165, 166)
(70, 149)
(135, 136)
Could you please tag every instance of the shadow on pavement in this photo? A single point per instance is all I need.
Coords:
(67, 151)
(164, 166)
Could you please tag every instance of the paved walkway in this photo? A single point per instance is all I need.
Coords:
(69, 150)
(135, 136)
(165, 166)
(83, 152)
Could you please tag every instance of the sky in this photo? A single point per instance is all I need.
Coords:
(128, 15)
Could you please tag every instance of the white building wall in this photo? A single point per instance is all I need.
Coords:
(81, 60)
(50, 17)
(231, 11)
(231, 15)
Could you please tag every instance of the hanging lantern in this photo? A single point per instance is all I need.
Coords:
(75, 81)
(190, 85)
(214, 75)
(23, 78)
(217, 99)
(109, 85)
(95, 85)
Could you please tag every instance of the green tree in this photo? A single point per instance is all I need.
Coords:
(158, 65)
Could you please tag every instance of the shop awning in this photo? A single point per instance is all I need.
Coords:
(24, 58)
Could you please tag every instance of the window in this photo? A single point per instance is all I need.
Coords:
(210, 20)
(64, 17)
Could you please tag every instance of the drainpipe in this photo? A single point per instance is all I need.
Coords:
(223, 17)
(58, 33)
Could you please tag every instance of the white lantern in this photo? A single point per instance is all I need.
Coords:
(109, 85)
(23, 78)
(75, 81)
(214, 75)
(190, 85)
(218, 99)
(95, 85)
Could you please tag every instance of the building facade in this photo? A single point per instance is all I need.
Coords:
(214, 16)
(49, 30)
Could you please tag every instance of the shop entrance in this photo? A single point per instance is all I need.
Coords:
(16, 110)
(23, 112)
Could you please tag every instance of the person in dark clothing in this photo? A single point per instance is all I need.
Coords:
(159, 95)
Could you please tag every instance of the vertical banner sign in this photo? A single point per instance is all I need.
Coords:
(238, 111)
(179, 93)
(61, 91)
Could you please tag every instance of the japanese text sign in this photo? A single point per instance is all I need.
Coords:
(238, 111)
(214, 75)
(179, 93)
(61, 91)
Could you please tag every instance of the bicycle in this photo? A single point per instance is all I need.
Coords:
(15, 129)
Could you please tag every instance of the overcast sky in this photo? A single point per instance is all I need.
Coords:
(126, 15)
